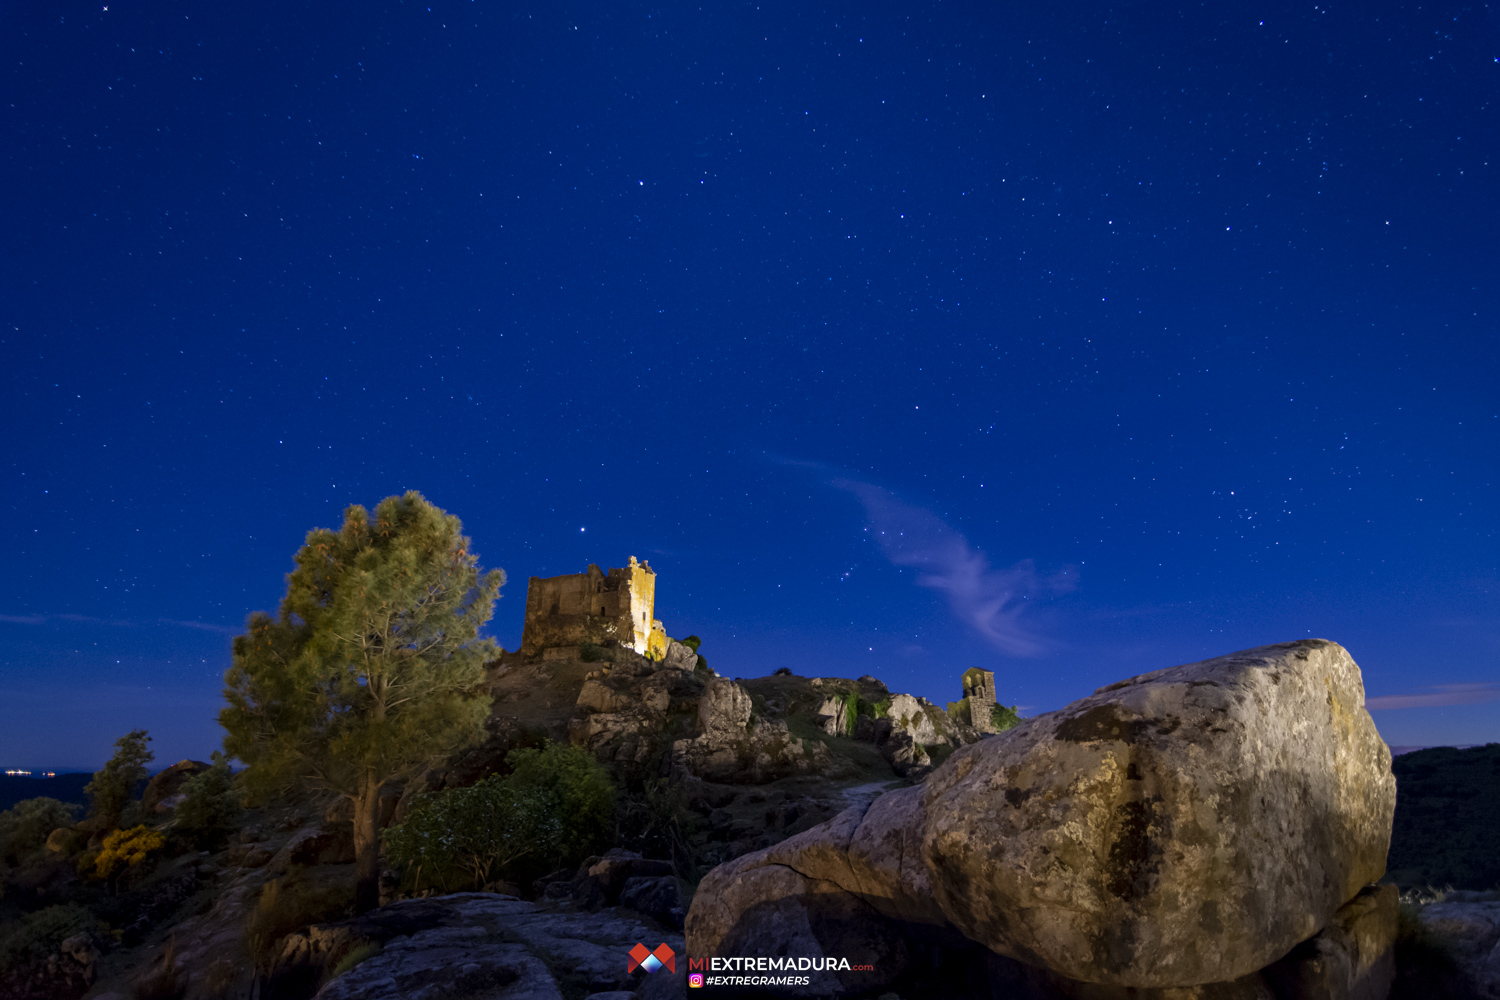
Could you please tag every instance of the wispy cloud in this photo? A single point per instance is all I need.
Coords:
(202, 626)
(1439, 696)
(72, 619)
(991, 601)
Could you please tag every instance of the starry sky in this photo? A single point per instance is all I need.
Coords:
(1066, 340)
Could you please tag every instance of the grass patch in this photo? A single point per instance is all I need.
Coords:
(353, 957)
(1426, 965)
(290, 904)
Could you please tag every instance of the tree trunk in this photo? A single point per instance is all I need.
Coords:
(367, 848)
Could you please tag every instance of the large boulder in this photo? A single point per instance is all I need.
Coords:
(724, 708)
(909, 714)
(679, 657)
(162, 791)
(1184, 827)
(854, 887)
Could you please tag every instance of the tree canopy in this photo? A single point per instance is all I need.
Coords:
(372, 669)
(114, 784)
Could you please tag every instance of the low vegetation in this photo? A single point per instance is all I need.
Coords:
(1003, 718)
(110, 791)
(25, 827)
(126, 849)
(555, 807)
(1447, 825)
(211, 803)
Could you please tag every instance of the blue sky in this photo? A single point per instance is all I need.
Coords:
(1069, 342)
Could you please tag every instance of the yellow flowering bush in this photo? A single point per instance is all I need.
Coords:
(126, 849)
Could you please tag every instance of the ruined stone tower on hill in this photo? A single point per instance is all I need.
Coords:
(613, 609)
(978, 704)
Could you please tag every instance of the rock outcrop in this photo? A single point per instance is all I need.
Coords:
(679, 657)
(1353, 958)
(482, 944)
(732, 746)
(1467, 926)
(164, 790)
(1184, 827)
(601, 880)
(622, 716)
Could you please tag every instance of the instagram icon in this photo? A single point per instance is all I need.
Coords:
(696, 980)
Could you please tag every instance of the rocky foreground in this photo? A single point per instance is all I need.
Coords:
(1208, 832)
(1214, 827)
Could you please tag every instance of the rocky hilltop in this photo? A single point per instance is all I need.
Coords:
(754, 759)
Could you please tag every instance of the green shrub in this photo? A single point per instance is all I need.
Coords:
(592, 653)
(851, 710)
(1003, 718)
(554, 808)
(38, 935)
(110, 791)
(691, 642)
(24, 827)
(210, 805)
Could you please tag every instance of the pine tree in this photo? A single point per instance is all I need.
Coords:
(372, 670)
(110, 791)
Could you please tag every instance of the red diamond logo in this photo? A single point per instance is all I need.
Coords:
(666, 956)
(638, 954)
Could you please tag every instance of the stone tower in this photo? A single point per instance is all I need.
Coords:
(979, 699)
(613, 609)
(979, 684)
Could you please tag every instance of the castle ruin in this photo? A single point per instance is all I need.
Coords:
(978, 705)
(607, 609)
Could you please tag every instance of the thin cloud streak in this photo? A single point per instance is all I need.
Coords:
(990, 601)
(1442, 695)
(202, 626)
(72, 619)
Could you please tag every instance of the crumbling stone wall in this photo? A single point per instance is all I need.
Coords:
(609, 609)
(978, 704)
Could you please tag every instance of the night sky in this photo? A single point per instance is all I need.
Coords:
(1070, 341)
